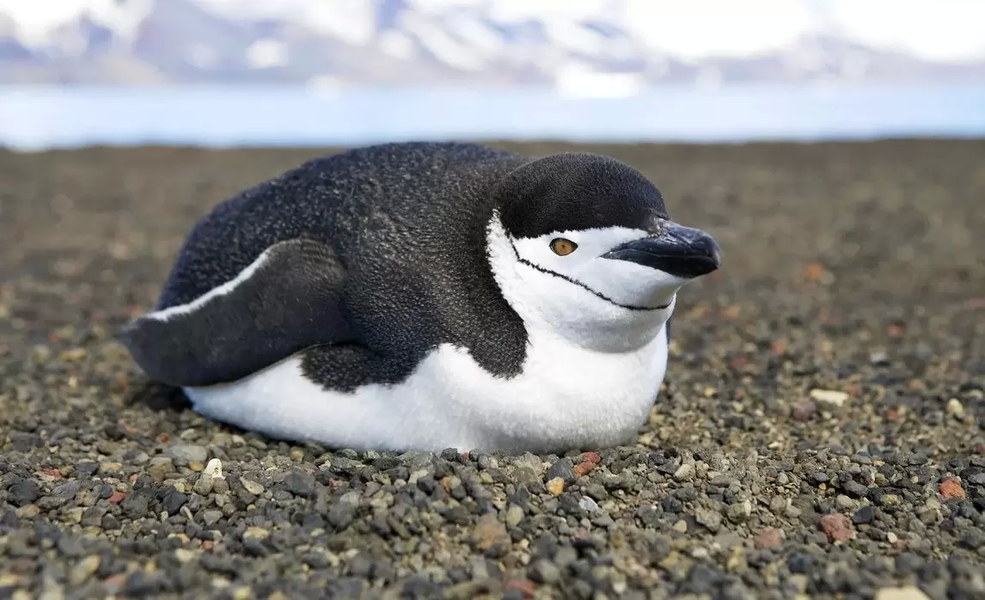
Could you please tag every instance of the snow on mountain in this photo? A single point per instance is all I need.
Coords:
(581, 46)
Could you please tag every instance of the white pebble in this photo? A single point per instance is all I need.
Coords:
(833, 397)
(685, 472)
(955, 408)
(214, 468)
(909, 592)
(587, 504)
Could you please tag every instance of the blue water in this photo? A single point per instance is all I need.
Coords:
(39, 118)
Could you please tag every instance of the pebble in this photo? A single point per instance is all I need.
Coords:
(769, 537)
(23, 492)
(544, 571)
(864, 515)
(83, 570)
(514, 515)
(185, 454)
(203, 486)
(214, 469)
(588, 505)
(709, 518)
(879, 357)
(300, 483)
(251, 486)
(556, 486)
(955, 408)
(561, 469)
(837, 527)
(833, 397)
(901, 593)
(685, 472)
(489, 532)
(803, 410)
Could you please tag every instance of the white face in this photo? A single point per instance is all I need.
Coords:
(600, 303)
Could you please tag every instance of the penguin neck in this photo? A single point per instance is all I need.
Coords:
(553, 308)
(617, 331)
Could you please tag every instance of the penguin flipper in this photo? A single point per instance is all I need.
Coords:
(288, 299)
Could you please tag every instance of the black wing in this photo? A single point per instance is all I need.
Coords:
(290, 298)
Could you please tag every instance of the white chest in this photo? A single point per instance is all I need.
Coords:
(566, 398)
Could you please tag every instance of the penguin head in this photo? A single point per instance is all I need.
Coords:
(582, 244)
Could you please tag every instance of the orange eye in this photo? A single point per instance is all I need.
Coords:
(563, 247)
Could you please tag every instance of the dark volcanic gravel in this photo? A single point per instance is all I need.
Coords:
(820, 435)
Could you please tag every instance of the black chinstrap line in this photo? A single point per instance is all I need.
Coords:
(579, 284)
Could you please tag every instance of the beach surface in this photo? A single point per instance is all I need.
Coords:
(821, 433)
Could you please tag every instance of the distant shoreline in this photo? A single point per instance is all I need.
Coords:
(39, 118)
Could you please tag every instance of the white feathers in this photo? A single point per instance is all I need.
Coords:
(566, 397)
(222, 290)
(592, 371)
(583, 296)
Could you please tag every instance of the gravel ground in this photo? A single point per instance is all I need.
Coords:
(821, 433)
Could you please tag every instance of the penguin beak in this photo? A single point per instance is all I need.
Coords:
(677, 250)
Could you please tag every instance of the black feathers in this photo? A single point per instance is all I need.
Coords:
(406, 223)
(393, 264)
(575, 191)
(291, 301)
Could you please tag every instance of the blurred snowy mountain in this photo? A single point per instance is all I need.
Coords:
(585, 46)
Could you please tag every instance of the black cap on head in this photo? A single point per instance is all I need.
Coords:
(572, 191)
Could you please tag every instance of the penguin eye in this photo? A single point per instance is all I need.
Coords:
(563, 247)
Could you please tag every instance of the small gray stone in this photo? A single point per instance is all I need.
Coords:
(203, 487)
(740, 511)
(685, 472)
(562, 469)
(544, 571)
(514, 514)
(185, 454)
(300, 483)
(565, 556)
(341, 515)
(251, 486)
(711, 519)
(60, 495)
(24, 492)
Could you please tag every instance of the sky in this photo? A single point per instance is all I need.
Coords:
(946, 30)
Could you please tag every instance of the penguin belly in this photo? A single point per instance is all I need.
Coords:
(566, 398)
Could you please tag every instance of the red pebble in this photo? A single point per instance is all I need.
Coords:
(769, 537)
(951, 488)
(524, 586)
(593, 457)
(117, 497)
(838, 527)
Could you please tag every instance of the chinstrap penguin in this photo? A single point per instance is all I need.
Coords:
(421, 296)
